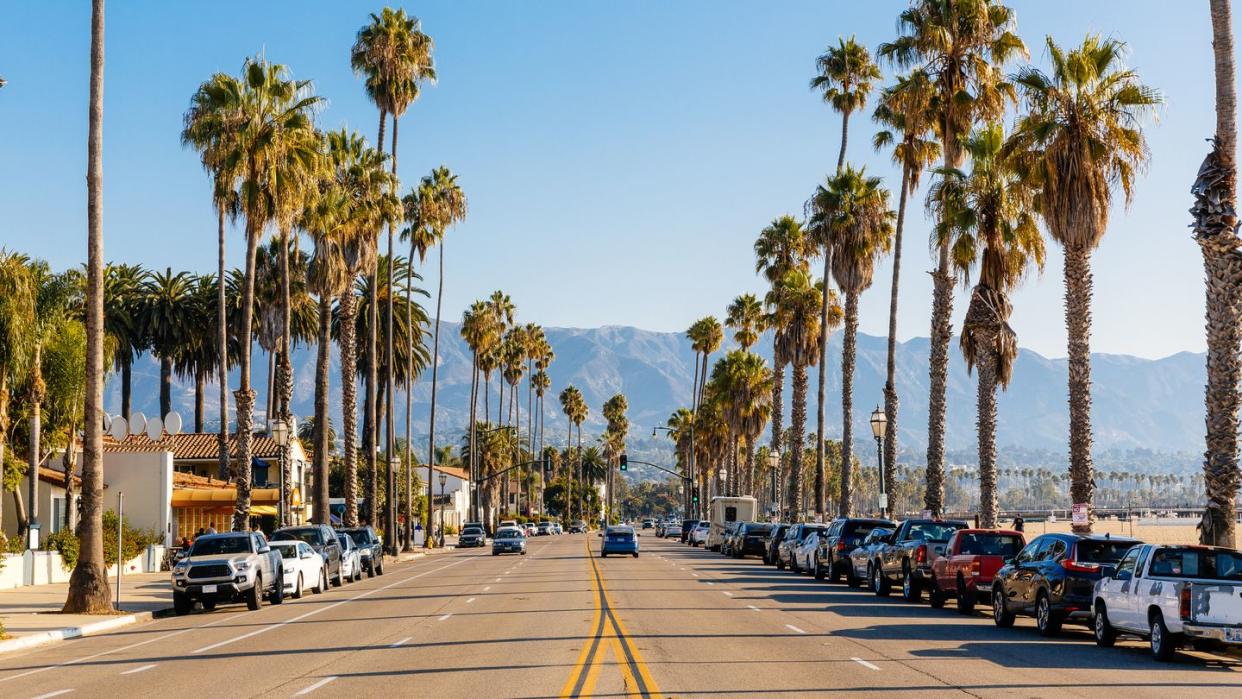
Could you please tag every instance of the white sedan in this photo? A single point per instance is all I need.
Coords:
(303, 567)
(351, 559)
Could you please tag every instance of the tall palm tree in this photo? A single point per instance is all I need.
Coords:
(1003, 227)
(795, 306)
(478, 330)
(962, 46)
(782, 246)
(745, 382)
(165, 315)
(122, 289)
(542, 382)
(89, 592)
(614, 438)
(851, 215)
(1215, 226)
(395, 56)
(17, 314)
(1080, 136)
(195, 358)
(435, 206)
(907, 112)
(569, 398)
(745, 316)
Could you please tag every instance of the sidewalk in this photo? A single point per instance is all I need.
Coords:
(450, 543)
(31, 617)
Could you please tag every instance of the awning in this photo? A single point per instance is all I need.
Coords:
(209, 497)
(263, 510)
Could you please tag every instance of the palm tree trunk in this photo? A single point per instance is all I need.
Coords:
(349, 400)
(285, 377)
(407, 534)
(244, 396)
(938, 370)
(390, 509)
(1078, 283)
(750, 465)
(474, 401)
(823, 377)
(845, 138)
(798, 428)
(37, 391)
(165, 386)
(370, 437)
(847, 401)
(986, 423)
(89, 592)
(200, 383)
(323, 362)
(222, 343)
(69, 462)
(269, 410)
(778, 414)
(890, 381)
(127, 371)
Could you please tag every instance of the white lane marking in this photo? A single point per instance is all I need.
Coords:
(709, 582)
(54, 694)
(315, 686)
(487, 588)
(726, 593)
(445, 616)
(864, 663)
(752, 607)
(137, 670)
(470, 600)
(791, 627)
(402, 642)
(497, 579)
(313, 612)
(695, 574)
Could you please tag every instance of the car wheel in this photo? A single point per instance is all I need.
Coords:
(339, 579)
(1105, 634)
(1000, 614)
(370, 567)
(1046, 620)
(635, 554)
(297, 588)
(380, 570)
(965, 598)
(850, 578)
(278, 588)
(780, 564)
(322, 587)
(181, 604)
(1163, 644)
(603, 555)
(910, 589)
(254, 598)
(935, 596)
(882, 586)
(816, 570)
(834, 572)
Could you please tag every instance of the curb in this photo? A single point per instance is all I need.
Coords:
(54, 635)
(407, 557)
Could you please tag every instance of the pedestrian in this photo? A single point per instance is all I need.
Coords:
(199, 533)
(1019, 524)
(211, 528)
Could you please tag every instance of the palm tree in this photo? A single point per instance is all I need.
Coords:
(961, 45)
(782, 246)
(542, 382)
(122, 290)
(1080, 136)
(845, 75)
(795, 306)
(89, 592)
(1004, 227)
(17, 313)
(852, 216)
(478, 329)
(196, 356)
(571, 402)
(906, 109)
(165, 316)
(436, 205)
(1215, 214)
(745, 384)
(395, 56)
(614, 438)
(745, 316)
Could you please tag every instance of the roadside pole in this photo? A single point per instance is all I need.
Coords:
(120, 518)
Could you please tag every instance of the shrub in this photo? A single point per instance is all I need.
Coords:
(134, 541)
(66, 544)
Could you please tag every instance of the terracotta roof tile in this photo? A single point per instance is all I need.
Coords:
(193, 445)
(191, 481)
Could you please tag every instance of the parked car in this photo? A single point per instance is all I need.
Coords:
(727, 536)
(648, 523)
(774, 542)
(751, 539)
(672, 530)
(322, 538)
(370, 548)
(620, 539)
(509, 540)
(1053, 578)
(969, 564)
(229, 567)
(687, 526)
(544, 529)
(1171, 595)
(843, 535)
(578, 527)
(804, 553)
(908, 558)
(791, 552)
(472, 535)
(351, 558)
(303, 568)
(698, 535)
(862, 556)
(508, 523)
(557, 528)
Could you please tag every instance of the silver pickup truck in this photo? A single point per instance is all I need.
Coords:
(229, 567)
(1172, 595)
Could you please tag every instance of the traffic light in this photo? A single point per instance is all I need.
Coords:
(625, 463)
(696, 496)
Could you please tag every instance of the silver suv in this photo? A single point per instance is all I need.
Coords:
(229, 567)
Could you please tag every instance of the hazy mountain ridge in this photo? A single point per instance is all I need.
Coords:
(1137, 403)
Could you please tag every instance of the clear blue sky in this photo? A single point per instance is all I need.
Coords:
(619, 157)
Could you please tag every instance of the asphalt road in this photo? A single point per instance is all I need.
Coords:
(675, 622)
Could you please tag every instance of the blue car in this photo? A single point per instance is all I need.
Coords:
(620, 539)
(509, 540)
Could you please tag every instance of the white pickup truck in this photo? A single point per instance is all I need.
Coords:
(1172, 595)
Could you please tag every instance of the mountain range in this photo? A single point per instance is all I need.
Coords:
(1137, 403)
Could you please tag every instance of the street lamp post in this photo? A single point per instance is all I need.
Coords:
(390, 509)
(774, 464)
(723, 475)
(443, 477)
(280, 433)
(878, 422)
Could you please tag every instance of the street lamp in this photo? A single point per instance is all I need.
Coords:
(878, 422)
(443, 478)
(390, 509)
(280, 433)
(774, 465)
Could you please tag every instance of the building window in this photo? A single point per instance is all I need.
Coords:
(58, 513)
(260, 474)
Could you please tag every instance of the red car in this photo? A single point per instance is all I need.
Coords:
(970, 561)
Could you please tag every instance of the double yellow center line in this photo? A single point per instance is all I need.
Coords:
(607, 632)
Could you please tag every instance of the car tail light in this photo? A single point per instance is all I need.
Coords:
(920, 555)
(1076, 567)
(840, 544)
(1183, 602)
(975, 567)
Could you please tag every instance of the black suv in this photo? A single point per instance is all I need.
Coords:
(687, 526)
(752, 539)
(1053, 579)
(844, 535)
(370, 548)
(323, 540)
(774, 542)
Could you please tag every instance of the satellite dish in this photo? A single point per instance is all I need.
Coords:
(155, 429)
(118, 430)
(107, 422)
(172, 424)
(137, 422)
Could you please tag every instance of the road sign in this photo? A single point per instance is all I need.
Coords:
(1079, 513)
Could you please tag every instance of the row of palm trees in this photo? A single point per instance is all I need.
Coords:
(1076, 143)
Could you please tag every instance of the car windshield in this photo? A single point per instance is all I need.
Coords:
(287, 549)
(216, 546)
(808, 531)
(1197, 563)
(758, 529)
(620, 534)
(471, 530)
(343, 540)
(858, 532)
(932, 531)
(1102, 551)
(310, 536)
(508, 534)
(1006, 545)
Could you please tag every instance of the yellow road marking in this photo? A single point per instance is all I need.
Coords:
(592, 644)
